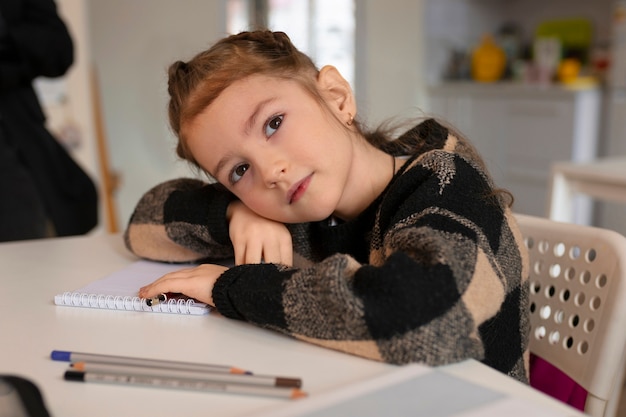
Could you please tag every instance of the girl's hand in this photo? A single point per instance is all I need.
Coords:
(193, 282)
(256, 238)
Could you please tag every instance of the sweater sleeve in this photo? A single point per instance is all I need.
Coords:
(443, 282)
(181, 220)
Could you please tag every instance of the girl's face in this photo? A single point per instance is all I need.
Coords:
(270, 143)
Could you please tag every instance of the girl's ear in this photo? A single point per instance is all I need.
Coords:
(337, 93)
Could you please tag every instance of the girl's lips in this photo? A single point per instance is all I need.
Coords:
(298, 189)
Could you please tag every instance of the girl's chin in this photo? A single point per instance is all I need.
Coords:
(312, 212)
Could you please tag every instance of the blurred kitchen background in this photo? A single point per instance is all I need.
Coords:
(529, 81)
(532, 82)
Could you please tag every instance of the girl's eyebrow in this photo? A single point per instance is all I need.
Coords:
(220, 166)
(252, 119)
(247, 128)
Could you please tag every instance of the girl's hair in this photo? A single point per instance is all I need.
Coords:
(195, 84)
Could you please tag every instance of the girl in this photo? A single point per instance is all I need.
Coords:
(399, 251)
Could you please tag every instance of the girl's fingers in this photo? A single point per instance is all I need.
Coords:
(194, 282)
(270, 254)
(254, 252)
(286, 254)
(267, 246)
(240, 254)
(286, 250)
(167, 283)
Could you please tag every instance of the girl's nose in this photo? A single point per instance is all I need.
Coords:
(273, 173)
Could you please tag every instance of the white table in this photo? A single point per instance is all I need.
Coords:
(603, 179)
(31, 326)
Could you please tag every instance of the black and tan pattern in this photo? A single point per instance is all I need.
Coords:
(434, 271)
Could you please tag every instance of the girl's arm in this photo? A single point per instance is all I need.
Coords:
(187, 220)
(257, 239)
(181, 220)
(444, 280)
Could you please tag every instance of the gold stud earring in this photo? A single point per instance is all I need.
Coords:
(350, 119)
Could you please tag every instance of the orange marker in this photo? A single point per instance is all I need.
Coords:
(218, 377)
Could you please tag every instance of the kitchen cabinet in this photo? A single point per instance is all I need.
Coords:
(520, 130)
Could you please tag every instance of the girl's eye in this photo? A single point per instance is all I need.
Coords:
(237, 173)
(272, 125)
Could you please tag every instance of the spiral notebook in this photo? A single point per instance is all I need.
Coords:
(118, 291)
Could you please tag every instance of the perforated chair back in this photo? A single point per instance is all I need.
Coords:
(578, 305)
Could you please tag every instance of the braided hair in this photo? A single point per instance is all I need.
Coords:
(194, 85)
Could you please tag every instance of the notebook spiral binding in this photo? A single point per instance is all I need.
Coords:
(177, 306)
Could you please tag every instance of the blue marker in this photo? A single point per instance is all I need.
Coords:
(65, 356)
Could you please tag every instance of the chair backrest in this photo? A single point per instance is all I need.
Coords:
(578, 305)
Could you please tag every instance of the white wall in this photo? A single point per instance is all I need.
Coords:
(133, 42)
(390, 78)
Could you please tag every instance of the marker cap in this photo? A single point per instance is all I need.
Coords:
(74, 376)
(60, 355)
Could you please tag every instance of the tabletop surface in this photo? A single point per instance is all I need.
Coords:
(608, 170)
(33, 272)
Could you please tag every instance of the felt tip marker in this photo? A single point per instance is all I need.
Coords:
(65, 356)
(228, 378)
(182, 383)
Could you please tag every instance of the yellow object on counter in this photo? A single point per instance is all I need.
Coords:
(488, 61)
(568, 70)
(582, 83)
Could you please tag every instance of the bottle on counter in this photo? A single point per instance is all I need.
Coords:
(488, 60)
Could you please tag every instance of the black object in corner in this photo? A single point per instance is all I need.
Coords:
(20, 397)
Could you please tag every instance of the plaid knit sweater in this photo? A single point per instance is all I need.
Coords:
(434, 271)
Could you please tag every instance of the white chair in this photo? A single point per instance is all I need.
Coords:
(578, 305)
